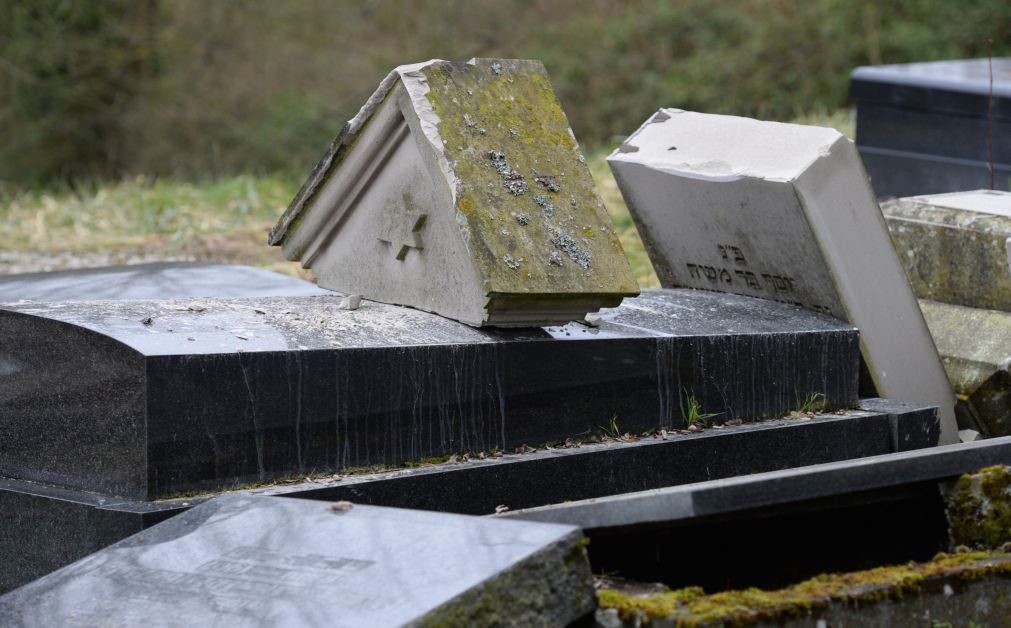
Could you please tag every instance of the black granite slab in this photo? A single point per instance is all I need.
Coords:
(147, 399)
(262, 561)
(46, 527)
(162, 280)
(763, 490)
(922, 127)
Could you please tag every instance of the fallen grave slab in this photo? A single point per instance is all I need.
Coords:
(147, 399)
(782, 212)
(48, 527)
(253, 561)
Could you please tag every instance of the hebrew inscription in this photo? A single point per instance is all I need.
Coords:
(733, 273)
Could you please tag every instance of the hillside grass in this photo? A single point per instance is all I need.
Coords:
(227, 220)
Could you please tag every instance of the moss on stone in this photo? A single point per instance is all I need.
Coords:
(692, 607)
(513, 153)
(979, 508)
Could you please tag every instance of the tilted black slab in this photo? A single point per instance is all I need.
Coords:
(45, 528)
(146, 399)
(778, 528)
(741, 494)
(922, 127)
(242, 560)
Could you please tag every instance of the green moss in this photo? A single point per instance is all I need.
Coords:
(512, 151)
(979, 508)
(692, 607)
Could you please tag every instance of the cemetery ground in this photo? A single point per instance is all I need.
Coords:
(144, 220)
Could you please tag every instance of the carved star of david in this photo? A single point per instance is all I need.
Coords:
(403, 232)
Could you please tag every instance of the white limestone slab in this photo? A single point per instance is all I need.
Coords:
(782, 212)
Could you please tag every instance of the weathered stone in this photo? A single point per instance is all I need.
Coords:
(975, 347)
(254, 561)
(923, 128)
(956, 248)
(459, 189)
(782, 212)
(979, 508)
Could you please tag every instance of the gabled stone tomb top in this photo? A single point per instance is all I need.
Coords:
(460, 189)
(782, 212)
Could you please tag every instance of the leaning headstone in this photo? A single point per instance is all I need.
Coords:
(923, 128)
(782, 212)
(459, 189)
(956, 249)
(256, 561)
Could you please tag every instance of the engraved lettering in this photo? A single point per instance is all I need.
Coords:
(733, 253)
(750, 279)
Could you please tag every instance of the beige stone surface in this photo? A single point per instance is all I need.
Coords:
(975, 347)
(955, 247)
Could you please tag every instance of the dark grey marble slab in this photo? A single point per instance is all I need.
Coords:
(163, 280)
(46, 528)
(263, 561)
(667, 506)
(147, 399)
(922, 127)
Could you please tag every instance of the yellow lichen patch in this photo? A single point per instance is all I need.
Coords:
(691, 607)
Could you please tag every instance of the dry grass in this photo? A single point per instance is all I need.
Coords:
(226, 220)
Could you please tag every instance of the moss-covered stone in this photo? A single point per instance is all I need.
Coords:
(692, 607)
(511, 148)
(951, 253)
(979, 508)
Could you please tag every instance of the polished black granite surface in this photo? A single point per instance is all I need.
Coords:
(46, 528)
(922, 128)
(163, 280)
(146, 399)
(241, 560)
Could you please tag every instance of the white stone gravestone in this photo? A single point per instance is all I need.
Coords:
(783, 212)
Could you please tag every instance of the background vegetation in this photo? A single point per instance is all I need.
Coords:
(134, 130)
(198, 89)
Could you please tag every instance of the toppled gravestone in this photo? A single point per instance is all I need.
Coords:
(241, 560)
(782, 212)
(459, 189)
(956, 250)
